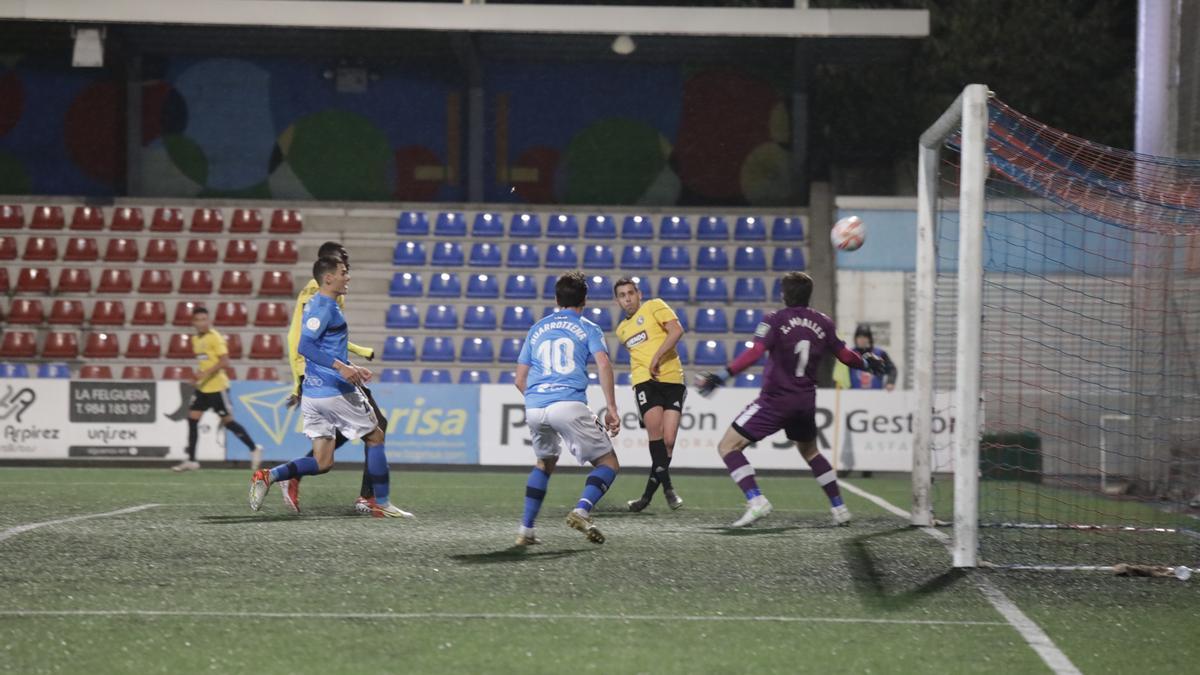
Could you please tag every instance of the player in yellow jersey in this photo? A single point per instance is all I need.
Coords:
(291, 488)
(212, 390)
(650, 332)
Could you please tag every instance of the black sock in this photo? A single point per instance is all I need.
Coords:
(193, 432)
(658, 469)
(240, 431)
(665, 476)
(367, 491)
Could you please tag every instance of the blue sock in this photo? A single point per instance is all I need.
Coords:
(305, 466)
(598, 482)
(377, 467)
(535, 492)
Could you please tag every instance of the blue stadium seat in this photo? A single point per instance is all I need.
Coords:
(561, 256)
(402, 316)
(450, 224)
(742, 346)
(712, 228)
(517, 318)
(399, 348)
(622, 355)
(749, 289)
(520, 287)
(480, 317)
(510, 349)
(637, 227)
(598, 257)
(563, 226)
(624, 379)
(412, 223)
(711, 320)
(54, 371)
(748, 381)
(548, 287)
(445, 285)
(409, 253)
(483, 286)
(681, 349)
(788, 259)
(599, 288)
(13, 370)
(487, 225)
(484, 254)
(712, 289)
(750, 259)
(712, 258)
(437, 349)
(525, 225)
(749, 228)
(777, 290)
(474, 377)
(683, 319)
(643, 284)
(593, 377)
(599, 316)
(747, 320)
(674, 289)
(477, 350)
(637, 258)
(674, 258)
(507, 377)
(523, 255)
(674, 227)
(710, 353)
(406, 285)
(547, 311)
(435, 376)
(787, 229)
(447, 254)
(441, 317)
(600, 227)
(396, 376)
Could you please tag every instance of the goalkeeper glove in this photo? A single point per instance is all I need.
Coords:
(874, 364)
(707, 382)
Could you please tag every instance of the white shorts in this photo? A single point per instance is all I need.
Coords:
(349, 413)
(572, 423)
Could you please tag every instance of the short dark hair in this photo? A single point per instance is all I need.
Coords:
(571, 290)
(331, 249)
(199, 309)
(624, 281)
(325, 265)
(797, 289)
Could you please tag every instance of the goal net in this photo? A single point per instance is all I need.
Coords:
(1058, 326)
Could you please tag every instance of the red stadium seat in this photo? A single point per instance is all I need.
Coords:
(47, 218)
(117, 280)
(101, 346)
(156, 281)
(61, 345)
(127, 219)
(18, 344)
(108, 313)
(231, 314)
(167, 220)
(8, 248)
(262, 374)
(276, 283)
(207, 220)
(180, 347)
(180, 373)
(81, 249)
(94, 372)
(231, 373)
(41, 249)
(196, 282)
(149, 313)
(266, 346)
(3, 279)
(200, 251)
(33, 280)
(246, 221)
(161, 251)
(234, 344)
(74, 280)
(271, 315)
(236, 282)
(26, 312)
(137, 373)
(183, 312)
(66, 313)
(88, 218)
(12, 217)
(121, 251)
(241, 252)
(143, 346)
(286, 222)
(282, 252)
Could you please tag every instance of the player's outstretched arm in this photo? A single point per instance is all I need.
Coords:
(674, 332)
(367, 353)
(707, 382)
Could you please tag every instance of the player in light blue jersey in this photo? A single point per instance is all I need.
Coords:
(552, 374)
(333, 400)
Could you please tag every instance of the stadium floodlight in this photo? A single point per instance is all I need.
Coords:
(89, 47)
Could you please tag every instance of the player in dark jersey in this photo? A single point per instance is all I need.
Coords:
(796, 338)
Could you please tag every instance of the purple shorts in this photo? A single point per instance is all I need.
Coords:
(765, 416)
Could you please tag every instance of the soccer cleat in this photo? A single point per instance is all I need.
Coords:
(389, 511)
(756, 509)
(256, 458)
(260, 485)
(581, 520)
(186, 465)
(526, 537)
(637, 505)
(841, 515)
(673, 500)
(291, 493)
(366, 506)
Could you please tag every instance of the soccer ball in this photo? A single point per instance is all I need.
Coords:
(848, 234)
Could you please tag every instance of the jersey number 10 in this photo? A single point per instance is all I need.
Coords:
(558, 356)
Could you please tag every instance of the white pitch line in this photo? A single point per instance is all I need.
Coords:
(1034, 636)
(14, 531)
(489, 616)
